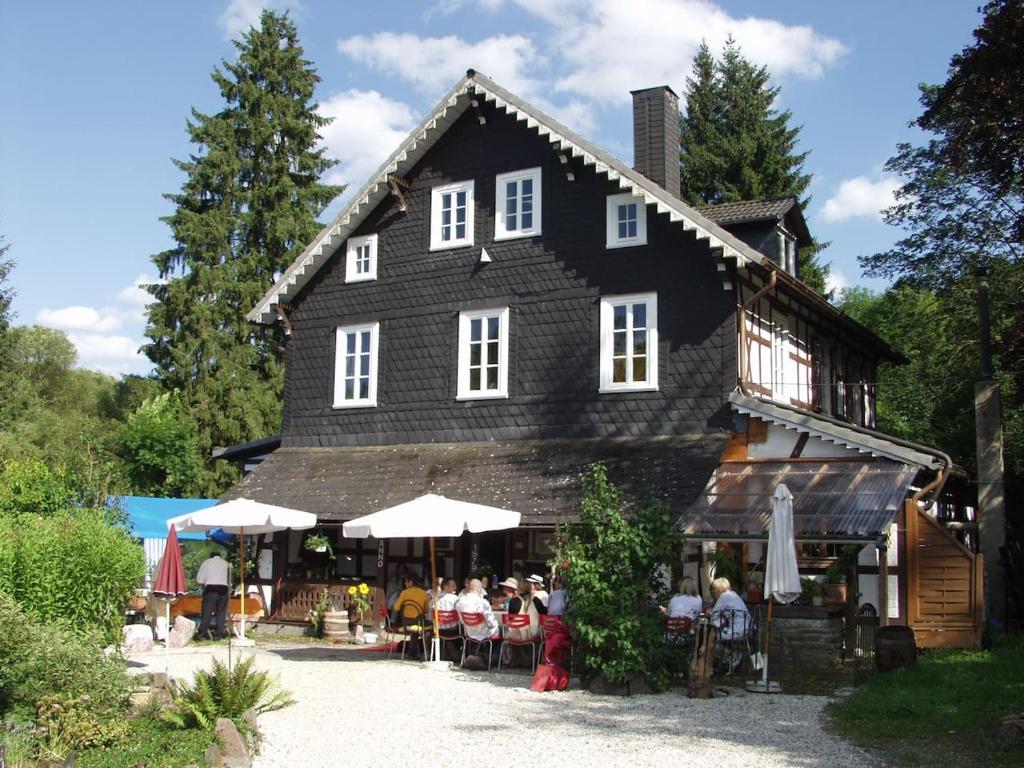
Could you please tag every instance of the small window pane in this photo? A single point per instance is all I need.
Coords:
(492, 327)
(348, 389)
(460, 231)
(474, 379)
(364, 389)
(474, 354)
(475, 327)
(510, 190)
(639, 315)
(350, 343)
(350, 366)
(619, 315)
(640, 369)
(619, 371)
(460, 198)
(364, 365)
(639, 342)
(492, 352)
(365, 339)
(527, 187)
(619, 343)
(492, 378)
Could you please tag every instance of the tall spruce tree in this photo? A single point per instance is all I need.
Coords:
(736, 145)
(247, 207)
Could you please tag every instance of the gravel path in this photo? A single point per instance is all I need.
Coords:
(354, 702)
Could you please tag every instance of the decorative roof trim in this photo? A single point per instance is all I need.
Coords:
(426, 134)
(856, 438)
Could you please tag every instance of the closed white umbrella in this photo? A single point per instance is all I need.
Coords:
(781, 575)
(243, 517)
(430, 516)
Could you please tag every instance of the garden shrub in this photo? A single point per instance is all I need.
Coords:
(7, 534)
(46, 659)
(222, 692)
(614, 562)
(30, 487)
(69, 723)
(76, 567)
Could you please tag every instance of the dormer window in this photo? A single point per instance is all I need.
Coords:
(517, 208)
(451, 216)
(787, 251)
(627, 221)
(361, 259)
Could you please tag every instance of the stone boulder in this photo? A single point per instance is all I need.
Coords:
(136, 638)
(1011, 729)
(233, 747)
(182, 632)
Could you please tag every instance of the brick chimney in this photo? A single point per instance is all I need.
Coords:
(656, 136)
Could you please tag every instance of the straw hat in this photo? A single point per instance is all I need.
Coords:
(511, 583)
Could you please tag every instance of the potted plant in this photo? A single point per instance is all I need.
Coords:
(835, 584)
(359, 604)
(812, 591)
(318, 542)
(755, 587)
(316, 615)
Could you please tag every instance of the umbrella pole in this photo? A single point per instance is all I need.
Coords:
(767, 640)
(241, 574)
(167, 637)
(435, 643)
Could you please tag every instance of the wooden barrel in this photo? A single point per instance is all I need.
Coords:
(895, 648)
(336, 625)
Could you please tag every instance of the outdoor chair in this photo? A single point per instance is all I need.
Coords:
(406, 629)
(449, 628)
(470, 644)
(515, 634)
(735, 630)
(679, 637)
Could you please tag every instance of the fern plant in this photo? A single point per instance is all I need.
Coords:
(222, 692)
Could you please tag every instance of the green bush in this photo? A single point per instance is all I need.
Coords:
(30, 487)
(68, 723)
(76, 567)
(222, 692)
(152, 743)
(49, 659)
(614, 561)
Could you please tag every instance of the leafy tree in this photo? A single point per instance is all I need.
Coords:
(736, 145)
(247, 207)
(158, 447)
(614, 561)
(962, 208)
(6, 292)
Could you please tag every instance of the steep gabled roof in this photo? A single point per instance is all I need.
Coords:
(426, 134)
(750, 211)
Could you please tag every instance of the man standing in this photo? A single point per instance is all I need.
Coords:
(213, 575)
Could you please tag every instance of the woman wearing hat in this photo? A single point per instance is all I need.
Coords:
(537, 602)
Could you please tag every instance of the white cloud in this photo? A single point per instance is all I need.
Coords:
(242, 14)
(860, 196)
(100, 335)
(434, 64)
(837, 282)
(612, 47)
(79, 318)
(367, 128)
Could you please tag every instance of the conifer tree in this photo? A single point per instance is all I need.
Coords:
(736, 145)
(248, 205)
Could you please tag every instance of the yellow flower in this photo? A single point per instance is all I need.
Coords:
(351, 590)
(363, 589)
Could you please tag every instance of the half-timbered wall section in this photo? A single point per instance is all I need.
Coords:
(798, 357)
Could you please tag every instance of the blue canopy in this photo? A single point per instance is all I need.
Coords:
(148, 515)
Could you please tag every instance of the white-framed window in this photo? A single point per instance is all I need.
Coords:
(517, 204)
(451, 216)
(361, 259)
(627, 221)
(355, 366)
(483, 354)
(629, 342)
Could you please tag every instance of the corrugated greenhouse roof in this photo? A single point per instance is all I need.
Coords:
(832, 499)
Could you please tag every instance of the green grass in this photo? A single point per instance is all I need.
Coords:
(151, 744)
(943, 712)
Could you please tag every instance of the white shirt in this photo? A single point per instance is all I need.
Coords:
(213, 572)
(556, 603)
(685, 606)
(730, 607)
(474, 603)
(446, 602)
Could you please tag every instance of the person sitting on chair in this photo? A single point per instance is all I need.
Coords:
(446, 601)
(413, 601)
(730, 613)
(213, 575)
(475, 601)
(687, 604)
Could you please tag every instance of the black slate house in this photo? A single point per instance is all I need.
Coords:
(504, 303)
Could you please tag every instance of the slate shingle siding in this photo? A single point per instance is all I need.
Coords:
(552, 285)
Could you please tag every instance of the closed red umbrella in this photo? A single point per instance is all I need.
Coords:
(170, 582)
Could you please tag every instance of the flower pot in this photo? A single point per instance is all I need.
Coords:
(755, 593)
(835, 594)
(817, 601)
(137, 603)
(336, 625)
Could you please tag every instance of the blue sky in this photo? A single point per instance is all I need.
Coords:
(95, 98)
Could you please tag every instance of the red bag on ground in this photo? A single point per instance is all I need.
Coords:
(556, 647)
(550, 677)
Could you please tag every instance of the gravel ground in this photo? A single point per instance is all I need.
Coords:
(353, 702)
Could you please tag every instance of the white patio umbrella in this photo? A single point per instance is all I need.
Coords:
(243, 517)
(431, 516)
(781, 576)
